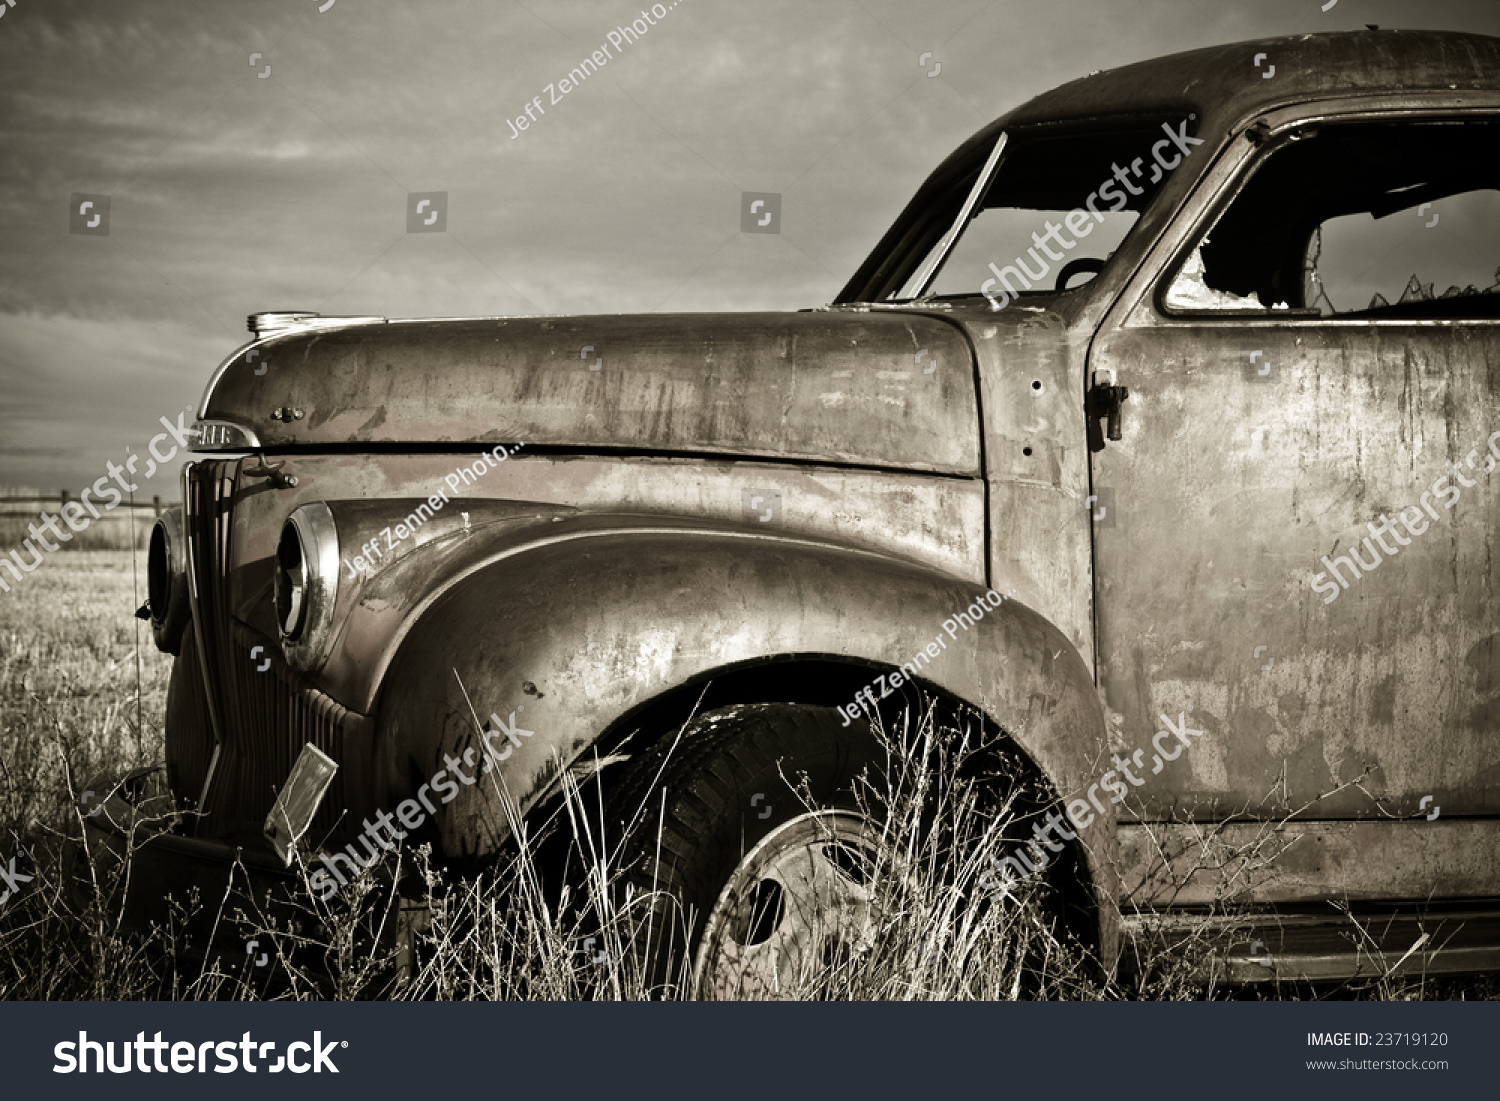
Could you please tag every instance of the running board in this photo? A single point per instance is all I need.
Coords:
(1318, 947)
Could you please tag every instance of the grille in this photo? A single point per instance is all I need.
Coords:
(265, 718)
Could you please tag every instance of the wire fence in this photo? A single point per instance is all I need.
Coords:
(117, 528)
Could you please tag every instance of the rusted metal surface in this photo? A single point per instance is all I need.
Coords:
(1250, 486)
(828, 388)
(1032, 364)
(935, 522)
(1308, 67)
(1165, 864)
(666, 604)
(638, 627)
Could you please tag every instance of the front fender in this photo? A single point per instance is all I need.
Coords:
(576, 628)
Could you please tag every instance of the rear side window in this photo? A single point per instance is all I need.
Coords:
(1390, 219)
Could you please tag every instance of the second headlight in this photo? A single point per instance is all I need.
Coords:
(307, 584)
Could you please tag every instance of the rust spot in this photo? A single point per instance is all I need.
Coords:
(1484, 658)
(1383, 702)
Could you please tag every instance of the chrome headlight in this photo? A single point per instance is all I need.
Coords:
(166, 581)
(307, 584)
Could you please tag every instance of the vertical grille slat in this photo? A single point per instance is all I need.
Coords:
(189, 735)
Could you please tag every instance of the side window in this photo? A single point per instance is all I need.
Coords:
(1391, 219)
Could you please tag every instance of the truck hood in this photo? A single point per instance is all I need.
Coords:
(884, 389)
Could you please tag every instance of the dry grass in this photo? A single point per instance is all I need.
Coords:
(71, 658)
(71, 655)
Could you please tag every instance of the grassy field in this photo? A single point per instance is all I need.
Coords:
(83, 689)
(81, 683)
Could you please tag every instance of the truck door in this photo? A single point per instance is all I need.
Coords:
(1302, 549)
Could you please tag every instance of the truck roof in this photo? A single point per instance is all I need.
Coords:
(1225, 82)
(1223, 85)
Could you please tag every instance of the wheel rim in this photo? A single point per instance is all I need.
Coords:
(797, 905)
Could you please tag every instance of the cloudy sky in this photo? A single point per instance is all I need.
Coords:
(231, 192)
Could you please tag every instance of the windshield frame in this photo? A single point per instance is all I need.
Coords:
(923, 278)
(939, 213)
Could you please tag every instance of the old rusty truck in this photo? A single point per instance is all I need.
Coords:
(1181, 382)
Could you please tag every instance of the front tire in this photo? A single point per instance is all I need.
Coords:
(750, 850)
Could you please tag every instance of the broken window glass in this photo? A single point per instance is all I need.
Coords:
(1359, 220)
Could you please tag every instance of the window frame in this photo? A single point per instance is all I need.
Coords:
(1143, 301)
(913, 223)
